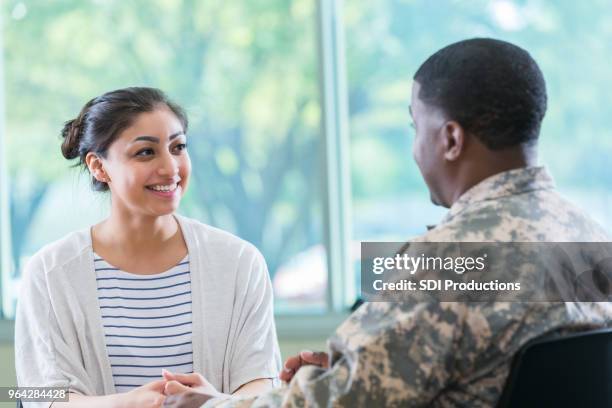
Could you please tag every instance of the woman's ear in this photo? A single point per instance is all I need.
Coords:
(96, 167)
(454, 140)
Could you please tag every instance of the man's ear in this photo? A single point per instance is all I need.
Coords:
(454, 140)
(96, 167)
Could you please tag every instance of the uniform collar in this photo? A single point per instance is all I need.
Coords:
(506, 183)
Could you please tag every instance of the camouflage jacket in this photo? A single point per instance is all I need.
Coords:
(449, 354)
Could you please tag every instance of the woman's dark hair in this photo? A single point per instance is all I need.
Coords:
(494, 89)
(103, 118)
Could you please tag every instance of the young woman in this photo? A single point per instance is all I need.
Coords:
(104, 310)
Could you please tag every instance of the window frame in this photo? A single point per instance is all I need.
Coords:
(337, 197)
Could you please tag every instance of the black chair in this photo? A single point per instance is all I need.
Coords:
(567, 371)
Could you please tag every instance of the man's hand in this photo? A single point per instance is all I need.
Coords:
(307, 357)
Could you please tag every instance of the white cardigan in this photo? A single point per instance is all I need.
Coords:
(59, 338)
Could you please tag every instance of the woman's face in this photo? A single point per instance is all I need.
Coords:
(148, 166)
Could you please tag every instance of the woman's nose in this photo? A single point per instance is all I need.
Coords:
(168, 166)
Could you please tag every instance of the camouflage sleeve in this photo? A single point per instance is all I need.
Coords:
(385, 354)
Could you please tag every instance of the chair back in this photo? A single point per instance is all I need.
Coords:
(568, 371)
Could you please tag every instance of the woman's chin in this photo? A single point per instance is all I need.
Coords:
(160, 211)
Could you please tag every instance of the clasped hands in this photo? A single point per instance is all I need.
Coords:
(193, 390)
(174, 390)
(187, 390)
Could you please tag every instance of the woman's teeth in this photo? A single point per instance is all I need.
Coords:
(166, 188)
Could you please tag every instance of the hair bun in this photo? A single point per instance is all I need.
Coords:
(73, 132)
(72, 135)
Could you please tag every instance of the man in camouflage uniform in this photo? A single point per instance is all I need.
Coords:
(477, 107)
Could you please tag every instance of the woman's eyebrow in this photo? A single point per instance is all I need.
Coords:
(155, 139)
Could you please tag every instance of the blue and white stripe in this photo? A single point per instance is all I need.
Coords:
(147, 322)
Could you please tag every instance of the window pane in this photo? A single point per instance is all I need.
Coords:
(388, 40)
(245, 71)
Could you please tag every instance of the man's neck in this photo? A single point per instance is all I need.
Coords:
(489, 164)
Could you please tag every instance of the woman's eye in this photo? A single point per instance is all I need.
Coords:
(144, 152)
(180, 147)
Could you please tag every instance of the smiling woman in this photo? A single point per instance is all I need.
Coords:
(104, 310)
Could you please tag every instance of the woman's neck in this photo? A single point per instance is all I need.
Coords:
(135, 235)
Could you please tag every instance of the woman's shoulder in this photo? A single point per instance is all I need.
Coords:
(62, 251)
(213, 236)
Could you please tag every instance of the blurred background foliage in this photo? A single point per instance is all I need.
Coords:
(245, 72)
(387, 40)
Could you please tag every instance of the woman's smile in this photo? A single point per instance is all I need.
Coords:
(171, 190)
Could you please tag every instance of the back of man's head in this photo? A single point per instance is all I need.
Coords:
(492, 88)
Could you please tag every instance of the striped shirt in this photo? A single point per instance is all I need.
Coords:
(147, 322)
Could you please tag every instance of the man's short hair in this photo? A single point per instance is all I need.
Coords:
(492, 88)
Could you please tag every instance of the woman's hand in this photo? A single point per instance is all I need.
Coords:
(189, 383)
(150, 395)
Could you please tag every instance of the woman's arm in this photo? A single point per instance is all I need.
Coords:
(147, 396)
(85, 401)
(254, 387)
(253, 345)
